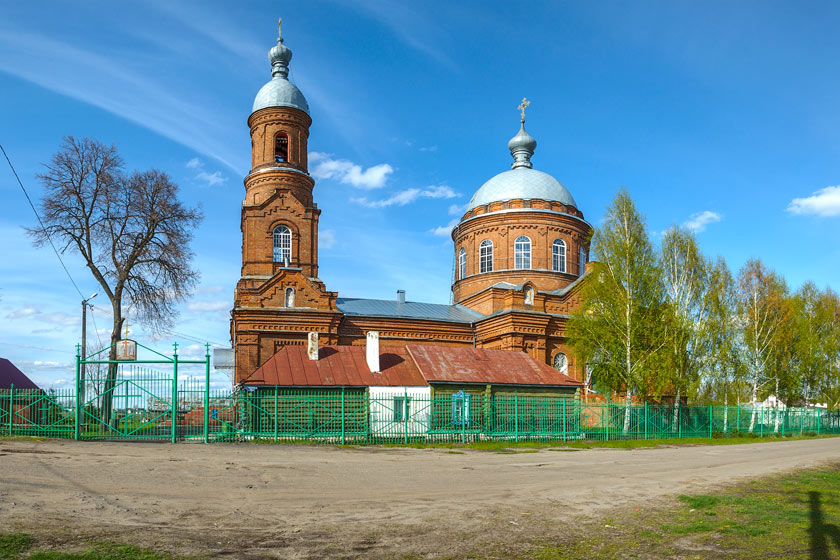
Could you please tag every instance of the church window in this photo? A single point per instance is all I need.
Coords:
(485, 256)
(582, 262)
(290, 297)
(558, 255)
(462, 263)
(281, 148)
(522, 253)
(561, 363)
(282, 244)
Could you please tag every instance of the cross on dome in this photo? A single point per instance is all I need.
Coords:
(523, 106)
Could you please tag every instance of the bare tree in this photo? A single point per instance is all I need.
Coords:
(131, 230)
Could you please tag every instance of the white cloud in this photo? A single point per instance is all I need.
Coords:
(60, 318)
(408, 196)
(209, 306)
(210, 289)
(326, 239)
(27, 311)
(700, 220)
(210, 179)
(445, 231)
(824, 202)
(458, 209)
(347, 172)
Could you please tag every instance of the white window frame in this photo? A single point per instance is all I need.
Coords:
(462, 263)
(558, 255)
(485, 256)
(582, 264)
(560, 362)
(282, 244)
(522, 253)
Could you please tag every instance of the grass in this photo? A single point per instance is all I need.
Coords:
(15, 546)
(795, 516)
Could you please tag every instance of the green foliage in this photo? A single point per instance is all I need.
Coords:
(699, 501)
(13, 544)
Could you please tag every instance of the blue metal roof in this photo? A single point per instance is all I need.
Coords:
(409, 310)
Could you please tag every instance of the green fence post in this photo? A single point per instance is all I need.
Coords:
(275, 413)
(405, 415)
(739, 419)
(679, 420)
(608, 418)
(710, 421)
(464, 417)
(515, 417)
(77, 418)
(564, 418)
(784, 419)
(761, 426)
(11, 405)
(343, 434)
(819, 420)
(175, 393)
(207, 393)
(646, 418)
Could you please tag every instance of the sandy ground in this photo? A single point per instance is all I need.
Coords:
(284, 501)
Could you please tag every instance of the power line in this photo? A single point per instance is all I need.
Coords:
(46, 233)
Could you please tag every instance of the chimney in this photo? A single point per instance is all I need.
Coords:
(400, 296)
(312, 345)
(372, 351)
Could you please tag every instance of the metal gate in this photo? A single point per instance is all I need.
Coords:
(141, 398)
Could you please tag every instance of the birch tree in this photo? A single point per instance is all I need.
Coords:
(761, 312)
(617, 329)
(690, 289)
(130, 230)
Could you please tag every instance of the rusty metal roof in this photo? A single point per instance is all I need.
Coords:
(337, 366)
(447, 364)
(412, 365)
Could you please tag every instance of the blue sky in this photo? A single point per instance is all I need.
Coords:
(718, 115)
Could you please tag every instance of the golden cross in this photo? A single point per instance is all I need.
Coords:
(523, 106)
(126, 329)
(279, 23)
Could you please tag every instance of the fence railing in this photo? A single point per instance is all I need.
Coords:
(353, 416)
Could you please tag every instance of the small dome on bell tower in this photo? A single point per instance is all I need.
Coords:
(280, 92)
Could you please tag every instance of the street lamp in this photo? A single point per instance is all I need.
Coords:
(85, 305)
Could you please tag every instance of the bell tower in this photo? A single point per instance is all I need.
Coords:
(279, 218)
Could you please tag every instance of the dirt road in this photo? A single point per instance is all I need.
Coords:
(255, 501)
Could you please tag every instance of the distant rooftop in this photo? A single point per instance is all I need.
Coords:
(408, 310)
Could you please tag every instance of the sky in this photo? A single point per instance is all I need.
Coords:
(718, 116)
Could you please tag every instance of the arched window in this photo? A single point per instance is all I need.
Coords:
(462, 263)
(561, 363)
(485, 256)
(281, 148)
(282, 244)
(290, 297)
(558, 255)
(522, 253)
(582, 261)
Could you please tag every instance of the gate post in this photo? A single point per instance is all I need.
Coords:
(516, 416)
(646, 418)
(11, 405)
(710, 421)
(608, 418)
(77, 429)
(175, 393)
(207, 393)
(343, 436)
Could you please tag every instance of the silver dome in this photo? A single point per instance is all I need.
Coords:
(280, 92)
(524, 183)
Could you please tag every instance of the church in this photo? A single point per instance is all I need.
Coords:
(520, 250)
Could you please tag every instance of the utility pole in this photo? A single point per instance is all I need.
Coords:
(84, 346)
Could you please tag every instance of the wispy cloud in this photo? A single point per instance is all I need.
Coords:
(698, 222)
(209, 179)
(824, 202)
(429, 149)
(408, 196)
(458, 209)
(27, 311)
(120, 85)
(209, 306)
(445, 231)
(326, 239)
(347, 172)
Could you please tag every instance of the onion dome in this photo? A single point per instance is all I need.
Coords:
(522, 180)
(280, 92)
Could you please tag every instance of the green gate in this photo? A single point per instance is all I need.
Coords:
(141, 399)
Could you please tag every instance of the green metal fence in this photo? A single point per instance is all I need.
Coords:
(145, 403)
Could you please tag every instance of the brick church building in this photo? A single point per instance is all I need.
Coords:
(520, 252)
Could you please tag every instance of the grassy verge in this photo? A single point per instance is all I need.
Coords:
(792, 516)
(15, 546)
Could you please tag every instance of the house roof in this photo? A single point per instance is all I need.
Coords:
(405, 366)
(337, 366)
(447, 364)
(10, 374)
(409, 310)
